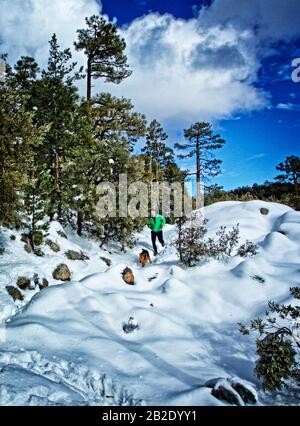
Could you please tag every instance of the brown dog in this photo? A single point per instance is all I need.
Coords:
(144, 258)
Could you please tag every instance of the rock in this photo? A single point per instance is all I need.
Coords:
(54, 246)
(226, 394)
(62, 234)
(247, 393)
(62, 273)
(14, 293)
(25, 238)
(13, 237)
(128, 276)
(264, 211)
(233, 390)
(106, 260)
(24, 283)
(75, 255)
(130, 326)
(44, 284)
(38, 252)
(28, 248)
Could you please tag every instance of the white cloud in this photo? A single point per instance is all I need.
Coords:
(256, 156)
(288, 106)
(201, 69)
(27, 25)
(181, 72)
(269, 19)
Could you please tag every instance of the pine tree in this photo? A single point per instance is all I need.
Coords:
(107, 129)
(104, 49)
(25, 73)
(291, 171)
(18, 135)
(54, 98)
(160, 156)
(201, 142)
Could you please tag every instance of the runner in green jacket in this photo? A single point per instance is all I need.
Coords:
(156, 223)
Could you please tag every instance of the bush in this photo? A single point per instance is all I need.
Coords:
(38, 238)
(191, 246)
(278, 346)
(189, 243)
(248, 249)
(291, 200)
(227, 241)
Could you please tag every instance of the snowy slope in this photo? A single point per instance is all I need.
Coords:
(67, 345)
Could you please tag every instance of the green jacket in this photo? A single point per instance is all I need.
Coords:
(156, 224)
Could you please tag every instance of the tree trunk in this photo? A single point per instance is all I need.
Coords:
(198, 175)
(79, 223)
(89, 80)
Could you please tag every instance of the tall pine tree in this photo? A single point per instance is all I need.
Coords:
(54, 98)
(200, 144)
(160, 155)
(104, 49)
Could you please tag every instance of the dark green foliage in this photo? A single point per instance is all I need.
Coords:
(290, 171)
(282, 192)
(25, 74)
(201, 143)
(104, 49)
(54, 99)
(276, 361)
(278, 344)
(189, 244)
(18, 135)
(160, 155)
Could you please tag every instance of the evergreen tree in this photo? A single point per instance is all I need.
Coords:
(201, 142)
(25, 73)
(291, 171)
(54, 98)
(107, 128)
(160, 156)
(104, 49)
(17, 137)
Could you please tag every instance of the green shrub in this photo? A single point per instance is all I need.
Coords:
(278, 345)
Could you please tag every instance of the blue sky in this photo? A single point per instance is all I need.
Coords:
(227, 62)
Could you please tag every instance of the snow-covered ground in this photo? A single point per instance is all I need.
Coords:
(66, 344)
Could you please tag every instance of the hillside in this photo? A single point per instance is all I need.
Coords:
(65, 344)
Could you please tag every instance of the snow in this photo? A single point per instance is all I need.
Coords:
(66, 345)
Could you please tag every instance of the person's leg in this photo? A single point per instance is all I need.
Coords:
(153, 238)
(161, 238)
